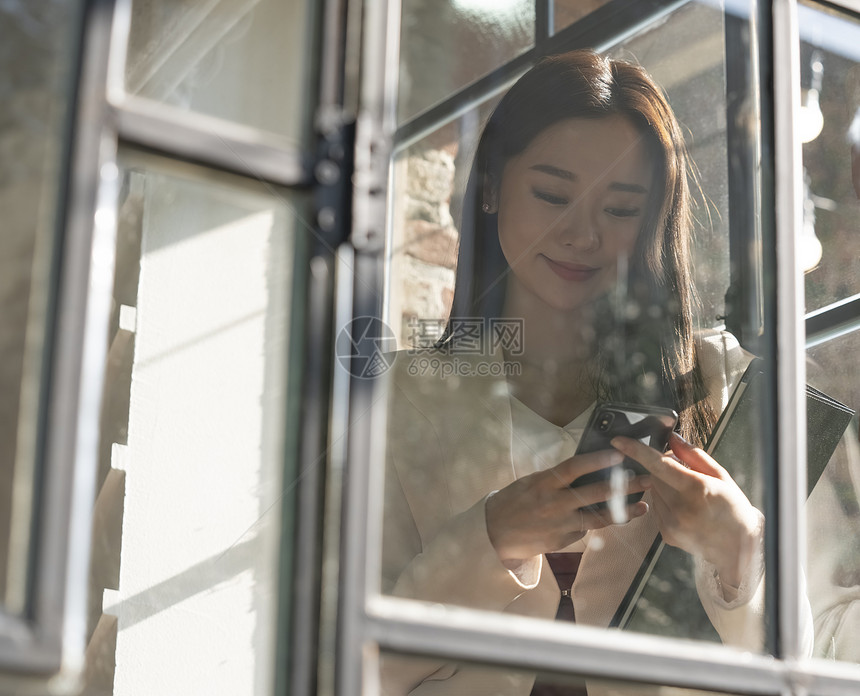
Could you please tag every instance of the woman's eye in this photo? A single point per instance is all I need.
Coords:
(623, 212)
(550, 198)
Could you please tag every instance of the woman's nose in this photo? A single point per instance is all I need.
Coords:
(577, 229)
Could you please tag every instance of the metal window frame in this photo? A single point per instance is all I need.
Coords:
(197, 137)
(48, 643)
(371, 623)
(789, 350)
(833, 321)
(743, 315)
(323, 166)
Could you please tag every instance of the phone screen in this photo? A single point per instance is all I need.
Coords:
(650, 425)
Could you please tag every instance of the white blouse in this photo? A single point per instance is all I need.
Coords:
(538, 445)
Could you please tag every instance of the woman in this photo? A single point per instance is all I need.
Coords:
(576, 222)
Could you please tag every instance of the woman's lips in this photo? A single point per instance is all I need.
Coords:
(571, 271)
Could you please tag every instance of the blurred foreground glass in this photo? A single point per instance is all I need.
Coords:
(36, 60)
(207, 264)
(245, 61)
(399, 672)
(686, 55)
(456, 432)
(447, 44)
(429, 176)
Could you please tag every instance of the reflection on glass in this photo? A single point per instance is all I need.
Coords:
(398, 674)
(566, 12)
(204, 294)
(833, 512)
(36, 44)
(559, 301)
(686, 55)
(240, 60)
(429, 177)
(446, 45)
(829, 125)
(830, 128)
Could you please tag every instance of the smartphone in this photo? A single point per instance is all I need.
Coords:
(651, 425)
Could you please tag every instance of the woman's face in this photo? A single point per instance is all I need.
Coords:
(569, 210)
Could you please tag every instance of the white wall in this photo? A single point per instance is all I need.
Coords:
(196, 604)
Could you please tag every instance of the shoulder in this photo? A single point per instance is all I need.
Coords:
(438, 369)
(426, 379)
(458, 391)
(722, 362)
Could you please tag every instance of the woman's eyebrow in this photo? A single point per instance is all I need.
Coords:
(570, 176)
(627, 188)
(554, 171)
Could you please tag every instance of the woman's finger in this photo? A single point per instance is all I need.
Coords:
(597, 519)
(695, 458)
(571, 469)
(601, 491)
(662, 508)
(666, 469)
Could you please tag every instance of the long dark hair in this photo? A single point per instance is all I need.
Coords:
(645, 350)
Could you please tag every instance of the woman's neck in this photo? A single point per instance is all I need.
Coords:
(555, 375)
(552, 338)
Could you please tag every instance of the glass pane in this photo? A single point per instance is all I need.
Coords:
(538, 250)
(428, 181)
(833, 511)
(36, 54)
(832, 368)
(687, 57)
(566, 12)
(399, 673)
(446, 45)
(241, 60)
(198, 390)
(830, 129)
(829, 126)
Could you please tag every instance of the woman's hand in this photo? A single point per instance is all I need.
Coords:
(699, 507)
(540, 513)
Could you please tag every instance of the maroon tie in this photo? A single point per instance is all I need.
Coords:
(564, 566)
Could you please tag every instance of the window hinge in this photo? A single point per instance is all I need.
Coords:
(333, 175)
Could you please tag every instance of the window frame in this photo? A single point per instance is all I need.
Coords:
(47, 639)
(48, 643)
(105, 118)
(318, 165)
(371, 623)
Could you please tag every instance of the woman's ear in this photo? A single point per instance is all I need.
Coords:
(490, 202)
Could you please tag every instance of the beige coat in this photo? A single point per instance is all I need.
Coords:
(449, 446)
